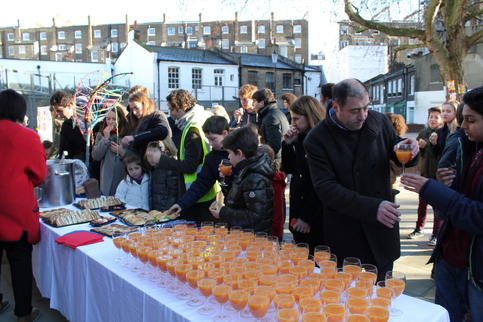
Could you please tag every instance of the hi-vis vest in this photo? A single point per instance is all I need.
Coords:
(189, 178)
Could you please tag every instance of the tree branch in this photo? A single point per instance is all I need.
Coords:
(392, 31)
(405, 47)
(474, 38)
(472, 15)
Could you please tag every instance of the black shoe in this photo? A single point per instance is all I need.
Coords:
(33, 316)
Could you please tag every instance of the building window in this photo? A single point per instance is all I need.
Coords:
(21, 49)
(151, 32)
(287, 81)
(10, 37)
(253, 77)
(171, 31)
(219, 73)
(151, 43)
(62, 47)
(94, 56)
(412, 85)
(189, 30)
(244, 49)
(261, 43)
(114, 33)
(225, 44)
(43, 50)
(389, 89)
(196, 78)
(180, 30)
(297, 29)
(123, 45)
(269, 81)
(298, 43)
(243, 29)
(43, 35)
(11, 50)
(25, 36)
(173, 77)
(78, 34)
(115, 47)
(97, 34)
(399, 87)
(343, 44)
(279, 29)
(344, 30)
(261, 29)
(298, 58)
(376, 32)
(58, 56)
(225, 30)
(192, 44)
(61, 35)
(206, 30)
(78, 48)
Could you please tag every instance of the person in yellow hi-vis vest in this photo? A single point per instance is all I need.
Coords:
(193, 147)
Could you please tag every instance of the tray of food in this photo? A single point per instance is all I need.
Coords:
(96, 203)
(110, 229)
(102, 221)
(139, 217)
(63, 217)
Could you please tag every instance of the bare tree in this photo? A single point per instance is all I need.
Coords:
(443, 32)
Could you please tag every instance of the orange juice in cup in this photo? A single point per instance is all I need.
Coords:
(117, 241)
(385, 292)
(181, 270)
(258, 305)
(313, 317)
(269, 269)
(377, 314)
(232, 280)
(238, 299)
(357, 305)
(299, 271)
(381, 301)
(334, 285)
(335, 312)
(247, 284)
(327, 297)
(267, 280)
(310, 304)
(358, 292)
(192, 277)
(353, 270)
(288, 278)
(217, 274)
(368, 286)
(221, 293)
(368, 276)
(152, 254)
(284, 301)
(284, 288)
(298, 290)
(308, 264)
(284, 266)
(161, 261)
(288, 315)
(357, 318)
(397, 285)
(205, 286)
(265, 290)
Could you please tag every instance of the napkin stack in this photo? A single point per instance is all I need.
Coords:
(80, 238)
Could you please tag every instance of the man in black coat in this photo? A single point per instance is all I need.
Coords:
(274, 123)
(348, 154)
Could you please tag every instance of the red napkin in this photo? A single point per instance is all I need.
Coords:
(79, 239)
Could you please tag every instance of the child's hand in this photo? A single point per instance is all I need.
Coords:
(215, 213)
(107, 131)
(433, 138)
(175, 209)
(422, 143)
(117, 149)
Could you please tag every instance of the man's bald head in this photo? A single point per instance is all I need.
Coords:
(348, 88)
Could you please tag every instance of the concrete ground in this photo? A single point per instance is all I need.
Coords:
(414, 255)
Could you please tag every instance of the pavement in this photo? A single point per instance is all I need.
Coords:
(414, 256)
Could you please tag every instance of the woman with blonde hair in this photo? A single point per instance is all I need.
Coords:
(438, 140)
(147, 123)
(306, 220)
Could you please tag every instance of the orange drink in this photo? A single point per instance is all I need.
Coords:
(236, 249)
(200, 244)
(321, 256)
(142, 253)
(152, 254)
(247, 285)
(222, 231)
(237, 269)
(356, 292)
(238, 299)
(403, 156)
(368, 276)
(313, 317)
(253, 255)
(190, 231)
(283, 266)
(368, 286)
(267, 260)
(328, 265)
(221, 293)
(232, 280)
(397, 285)
(284, 288)
(245, 241)
(125, 245)
(309, 304)
(267, 280)
(170, 264)
(357, 305)
(357, 318)
(334, 285)
(205, 267)
(353, 270)
(299, 271)
(217, 274)
(269, 269)
(148, 242)
(329, 297)
(216, 259)
(117, 241)
(284, 301)
(134, 236)
(377, 314)
(289, 278)
(298, 290)
(252, 275)
(205, 285)
(296, 257)
(334, 312)
(312, 283)
(133, 248)
(288, 315)
(265, 290)
(258, 305)
(161, 261)
(195, 261)
(181, 270)
(346, 277)
(229, 255)
(208, 230)
(308, 264)
(168, 231)
(193, 277)
(288, 247)
(225, 170)
(381, 301)
(385, 292)
(202, 235)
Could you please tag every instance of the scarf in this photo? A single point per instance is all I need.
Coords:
(185, 119)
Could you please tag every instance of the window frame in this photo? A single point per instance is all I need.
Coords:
(196, 78)
(60, 34)
(97, 33)
(173, 77)
(261, 29)
(171, 31)
(151, 32)
(76, 35)
(252, 77)
(26, 36)
(279, 29)
(22, 50)
(114, 33)
(78, 48)
(189, 30)
(206, 30)
(225, 30)
(43, 35)
(297, 29)
(10, 37)
(219, 76)
(244, 30)
(260, 42)
(225, 44)
(287, 80)
(94, 53)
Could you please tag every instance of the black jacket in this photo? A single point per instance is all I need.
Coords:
(163, 188)
(273, 126)
(205, 179)
(249, 203)
(441, 142)
(154, 127)
(247, 118)
(72, 141)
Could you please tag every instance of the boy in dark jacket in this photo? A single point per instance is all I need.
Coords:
(249, 203)
(215, 129)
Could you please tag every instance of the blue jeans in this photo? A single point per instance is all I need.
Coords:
(456, 293)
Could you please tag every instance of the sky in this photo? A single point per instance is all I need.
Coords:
(321, 14)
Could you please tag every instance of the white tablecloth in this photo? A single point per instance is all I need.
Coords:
(86, 284)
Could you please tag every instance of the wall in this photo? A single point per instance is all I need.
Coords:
(423, 101)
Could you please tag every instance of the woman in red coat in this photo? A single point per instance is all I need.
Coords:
(23, 167)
